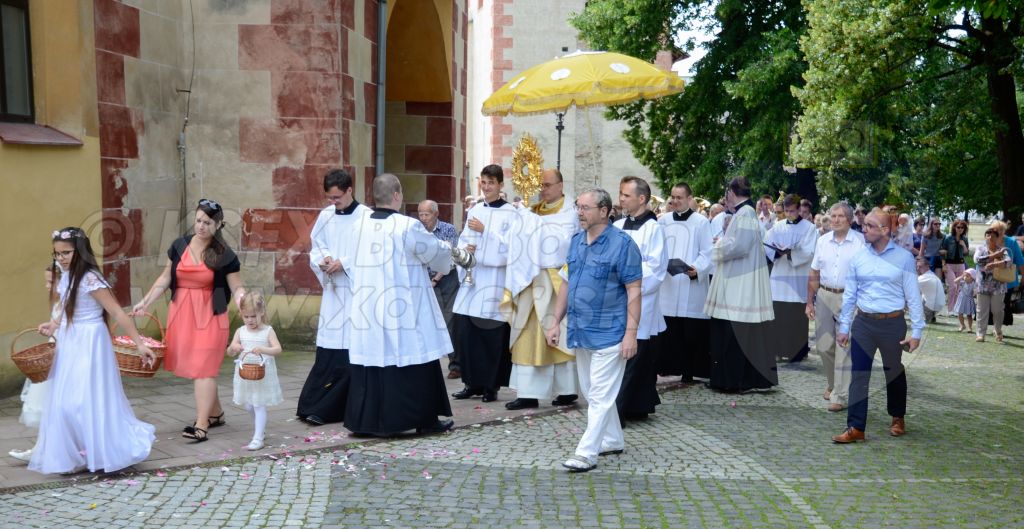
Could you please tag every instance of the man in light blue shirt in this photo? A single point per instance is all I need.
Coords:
(880, 283)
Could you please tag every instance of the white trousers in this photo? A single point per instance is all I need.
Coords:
(835, 360)
(600, 372)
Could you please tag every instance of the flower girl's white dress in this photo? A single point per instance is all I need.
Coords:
(88, 422)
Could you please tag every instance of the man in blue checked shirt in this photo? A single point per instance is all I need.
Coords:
(881, 281)
(600, 293)
(446, 286)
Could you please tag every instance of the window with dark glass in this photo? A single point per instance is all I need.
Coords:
(15, 62)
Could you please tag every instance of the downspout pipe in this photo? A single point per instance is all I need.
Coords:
(382, 55)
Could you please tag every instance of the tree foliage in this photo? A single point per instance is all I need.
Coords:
(734, 117)
(909, 102)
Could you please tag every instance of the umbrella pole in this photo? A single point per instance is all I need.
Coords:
(559, 127)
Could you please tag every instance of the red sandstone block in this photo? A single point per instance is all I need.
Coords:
(300, 187)
(439, 131)
(277, 229)
(116, 27)
(418, 108)
(305, 11)
(462, 135)
(119, 129)
(307, 94)
(109, 77)
(305, 141)
(429, 160)
(348, 97)
(503, 128)
(293, 276)
(445, 212)
(122, 234)
(119, 275)
(370, 21)
(441, 188)
(347, 13)
(288, 47)
(113, 186)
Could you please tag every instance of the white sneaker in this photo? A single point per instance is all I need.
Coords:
(255, 444)
(21, 455)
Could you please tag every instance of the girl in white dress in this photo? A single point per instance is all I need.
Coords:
(34, 395)
(257, 343)
(87, 422)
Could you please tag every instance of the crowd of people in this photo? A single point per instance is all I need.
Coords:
(556, 300)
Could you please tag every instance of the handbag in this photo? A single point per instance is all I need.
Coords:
(1004, 274)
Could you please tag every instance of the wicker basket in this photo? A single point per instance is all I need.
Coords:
(34, 362)
(249, 371)
(129, 361)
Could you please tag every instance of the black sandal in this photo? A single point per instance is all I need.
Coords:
(198, 435)
(217, 421)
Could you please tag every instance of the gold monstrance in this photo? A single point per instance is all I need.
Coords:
(527, 165)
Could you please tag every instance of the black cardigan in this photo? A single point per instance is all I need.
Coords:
(228, 265)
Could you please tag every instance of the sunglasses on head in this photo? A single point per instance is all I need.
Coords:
(212, 204)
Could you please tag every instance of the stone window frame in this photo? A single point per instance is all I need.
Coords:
(6, 116)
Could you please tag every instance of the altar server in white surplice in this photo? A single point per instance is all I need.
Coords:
(481, 332)
(639, 395)
(790, 246)
(538, 249)
(398, 333)
(322, 399)
(684, 348)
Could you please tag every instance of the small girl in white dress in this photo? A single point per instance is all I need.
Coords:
(257, 343)
(87, 422)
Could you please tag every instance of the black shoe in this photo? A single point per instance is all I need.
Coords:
(440, 426)
(564, 400)
(634, 416)
(314, 420)
(490, 395)
(466, 393)
(520, 404)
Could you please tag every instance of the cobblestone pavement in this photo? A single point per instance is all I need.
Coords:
(704, 460)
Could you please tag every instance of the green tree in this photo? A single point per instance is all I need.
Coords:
(735, 116)
(934, 82)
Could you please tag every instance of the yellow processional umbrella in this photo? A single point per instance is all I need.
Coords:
(581, 79)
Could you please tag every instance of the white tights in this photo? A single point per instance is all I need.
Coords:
(259, 414)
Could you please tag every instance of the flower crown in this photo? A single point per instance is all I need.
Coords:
(66, 234)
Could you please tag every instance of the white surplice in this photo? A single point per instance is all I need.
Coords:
(396, 320)
(481, 299)
(650, 238)
(789, 273)
(690, 241)
(332, 237)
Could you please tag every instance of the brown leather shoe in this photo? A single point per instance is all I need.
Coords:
(834, 407)
(827, 395)
(850, 435)
(898, 427)
(454, 373)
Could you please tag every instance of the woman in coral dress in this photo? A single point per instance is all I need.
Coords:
(203, 276)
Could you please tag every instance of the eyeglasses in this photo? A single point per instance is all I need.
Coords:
(585, 208)
(212, 204)
(871, 226)
(65, 253)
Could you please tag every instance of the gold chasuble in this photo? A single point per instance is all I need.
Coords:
(536, 254)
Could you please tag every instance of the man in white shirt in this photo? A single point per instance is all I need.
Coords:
(825, 286)
(639, 394)
(324, 395)
(790, 247)
(684, 348)
(932, 292)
